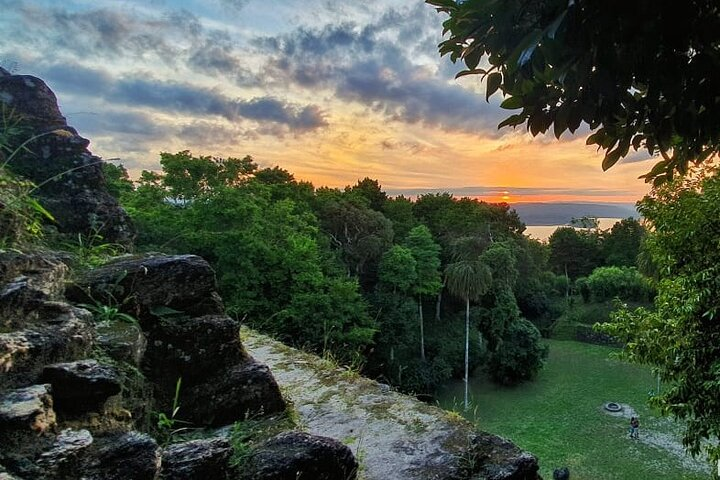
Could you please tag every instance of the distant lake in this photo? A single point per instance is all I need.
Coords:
(543, 232)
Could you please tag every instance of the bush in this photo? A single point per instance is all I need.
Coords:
(520, 355)
(625, 283)
(583, 288)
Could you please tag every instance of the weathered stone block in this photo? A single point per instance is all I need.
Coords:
(301, 456)
(81, 386)
(25, 413)
(245, 389)
(121, 457)
(185, 283)
(197, 459)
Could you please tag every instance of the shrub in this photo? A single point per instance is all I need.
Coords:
(520, 355)
(625, 283)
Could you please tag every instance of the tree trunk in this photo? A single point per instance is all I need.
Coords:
(437, 306)
(467, 349)
(422, 329)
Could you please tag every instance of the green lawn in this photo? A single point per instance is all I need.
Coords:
(559, 417)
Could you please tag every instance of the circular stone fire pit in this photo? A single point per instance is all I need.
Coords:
(613, 407)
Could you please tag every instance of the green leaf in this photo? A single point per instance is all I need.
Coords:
(512, 103)
(611, 158)
(472, 57)
(493, 83)
(512, 120)
(477, 71)
(561, 121)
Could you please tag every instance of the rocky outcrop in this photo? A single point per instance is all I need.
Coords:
(61, 333)
(500, 459)
(246, 390)
(400, 437)
(141, 285)
(26, 410)
(81, 386)
(121, 457)
(188, 337)
(71, 181)
(28, 281)
(197, 459)
(300, 456)
(64, 457)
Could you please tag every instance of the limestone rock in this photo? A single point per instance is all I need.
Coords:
(26, 281)
(301, 456)
(77, 195)
(245, 389)
(185, 283)
(191, 348)
(121, 457)
(502, 460)
(63, 458)
(66, 334)
(25, 413)
(122, 341)
(81, 386)
(197, 459)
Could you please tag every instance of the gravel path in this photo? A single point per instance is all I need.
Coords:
(668, 439)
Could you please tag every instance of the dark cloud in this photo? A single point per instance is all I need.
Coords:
(174, 37)
(75, 78)
(274, 110)
(136, 124)
(145, 91)
(105, 32)
(367, 66)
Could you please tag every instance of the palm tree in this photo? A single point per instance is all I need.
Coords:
(469, 279)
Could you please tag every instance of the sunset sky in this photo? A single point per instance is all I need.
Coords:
(330, 90)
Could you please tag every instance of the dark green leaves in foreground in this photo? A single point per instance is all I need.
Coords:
(641, 75)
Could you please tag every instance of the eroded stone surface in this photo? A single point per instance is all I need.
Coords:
(63, 458)
(300, 456)
(66, 333)
(192, 348)
(82, 385)
(197, 459)
(122, 341)
(241, 391)
(121, 457)
(502, 460)
(73, 187)
(26, 282)
(185, 283)
(396, 436)
(28, 409)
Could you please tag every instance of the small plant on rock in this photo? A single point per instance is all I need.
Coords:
(167, 425)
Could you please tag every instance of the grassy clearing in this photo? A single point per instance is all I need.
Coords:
(560, 419)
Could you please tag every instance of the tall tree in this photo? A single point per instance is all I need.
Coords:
(621, 245)
(574, 253)
(647, 85)
(371, 191)
(468, 279)
(398, 269)
(427, 256)
(680, 337)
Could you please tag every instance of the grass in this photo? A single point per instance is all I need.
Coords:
(559, 417)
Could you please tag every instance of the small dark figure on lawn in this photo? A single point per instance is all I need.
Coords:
(634, 428)
(561, 474)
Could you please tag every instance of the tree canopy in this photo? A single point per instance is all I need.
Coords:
(680, 337)
(640, 74)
